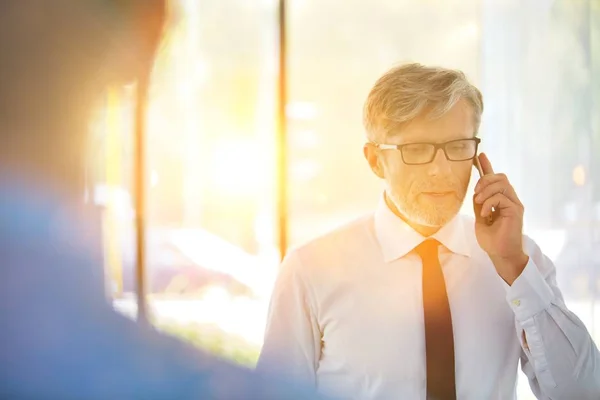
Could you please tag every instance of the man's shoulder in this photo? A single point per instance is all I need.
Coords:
(336, 246)
(339, 238)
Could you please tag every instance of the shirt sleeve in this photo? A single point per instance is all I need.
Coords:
(292, 343)
(558, 354)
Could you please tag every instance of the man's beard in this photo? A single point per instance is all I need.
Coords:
(415, 207)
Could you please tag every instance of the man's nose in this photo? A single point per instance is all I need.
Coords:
(440, 164)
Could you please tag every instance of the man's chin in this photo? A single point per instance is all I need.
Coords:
(427, 213)
(434, 218)
(430, 222)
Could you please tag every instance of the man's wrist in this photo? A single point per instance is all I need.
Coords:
(510, 268)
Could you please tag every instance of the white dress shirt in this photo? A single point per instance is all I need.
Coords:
(346, 314)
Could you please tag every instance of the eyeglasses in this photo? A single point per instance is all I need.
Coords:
(424, 153)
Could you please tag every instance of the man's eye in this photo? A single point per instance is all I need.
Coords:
(416, 149)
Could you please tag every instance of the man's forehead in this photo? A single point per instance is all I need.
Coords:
(457, 123)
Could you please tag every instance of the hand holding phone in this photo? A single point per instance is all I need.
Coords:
(500, 236)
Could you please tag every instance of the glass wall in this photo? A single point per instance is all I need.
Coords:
(212, 245)
(211, 248)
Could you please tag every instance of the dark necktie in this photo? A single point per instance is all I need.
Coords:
(439, 339)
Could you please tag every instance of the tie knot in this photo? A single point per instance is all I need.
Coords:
(428, 249)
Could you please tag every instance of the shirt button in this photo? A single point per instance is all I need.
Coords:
(516, 302)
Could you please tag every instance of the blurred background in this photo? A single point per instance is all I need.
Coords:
(214, 229)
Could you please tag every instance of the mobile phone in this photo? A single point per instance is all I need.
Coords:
(477, 164)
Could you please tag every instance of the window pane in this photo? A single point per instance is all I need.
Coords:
(211, 256)
(211, 245)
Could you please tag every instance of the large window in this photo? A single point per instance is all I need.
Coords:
(212, 236)
(211, 248)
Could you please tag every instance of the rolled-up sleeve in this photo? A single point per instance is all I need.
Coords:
(292, 341)
(559, 355)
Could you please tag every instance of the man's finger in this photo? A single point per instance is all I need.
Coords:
(501, 187)
(477, 211)
(486, 165)
(500, 203)
(487, 180)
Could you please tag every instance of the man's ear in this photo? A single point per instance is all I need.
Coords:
(373, 157)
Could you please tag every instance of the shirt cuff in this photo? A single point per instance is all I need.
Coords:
(529, 293)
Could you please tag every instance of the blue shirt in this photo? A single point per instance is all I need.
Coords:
(61, 339)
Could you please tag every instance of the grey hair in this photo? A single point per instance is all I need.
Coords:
(410, 90)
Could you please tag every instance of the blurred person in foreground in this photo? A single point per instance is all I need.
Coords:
(60, 337)
(416, 301)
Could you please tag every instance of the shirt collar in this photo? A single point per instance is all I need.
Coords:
(397, 238)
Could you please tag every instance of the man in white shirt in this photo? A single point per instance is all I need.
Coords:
(416, 301)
